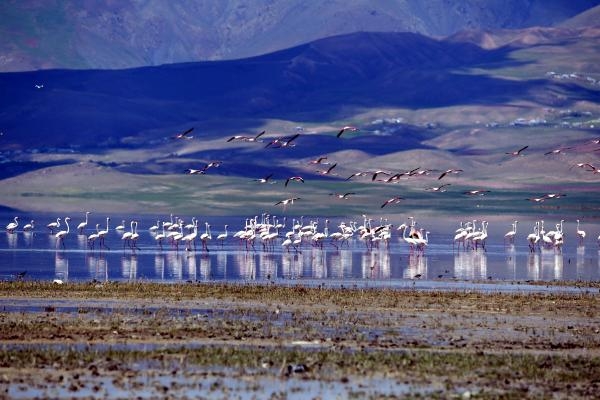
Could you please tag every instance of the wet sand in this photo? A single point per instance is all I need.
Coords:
(238, 341)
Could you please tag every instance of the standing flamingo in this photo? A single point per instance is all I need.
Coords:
(60, 236)
(53, 225)
(205, 237)
(83, 224)
(13, 225)
(29, 227)
(580, 234)
(102, 234)
(510, 235)
(223, 236)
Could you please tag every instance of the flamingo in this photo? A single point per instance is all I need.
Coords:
(127, 236)
(191, 237)
(223, 236)
(154, 228)
(60, 236)
(102, 234)
(205, 237)
(83, 224)
(29, 227)
(121, 227)
(517, 152)
(450, 171)
(346, 129)
(243, 138)
(53, 225)
(510, 235)
(135, 236)
(13, 225)
(265, 179)
(394, 200)
(294, 178)
(534, 237)
(92, 237)
(328, 170)
(580, 234)
(160, 237)
(184, 134)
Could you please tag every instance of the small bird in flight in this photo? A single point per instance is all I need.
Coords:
(283, 142)
(320, 160)
(346, 129)
(557, 151)
(518, 152)
(440, 188)
(287, 201)
(328, 171)
(477, 192)
(450, 171)
(192, 171)
(342, 196)
(393, 200)
(39, 86)
(265, 179)
(294, 178)
(184, 135)
(243, 138)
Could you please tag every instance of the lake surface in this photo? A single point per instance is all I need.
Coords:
(42, 257)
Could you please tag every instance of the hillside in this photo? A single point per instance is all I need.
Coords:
(125, 34)
(420, 104)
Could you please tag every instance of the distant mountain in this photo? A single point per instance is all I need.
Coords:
(122, 34)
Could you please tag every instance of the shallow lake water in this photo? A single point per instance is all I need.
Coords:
(40, 256)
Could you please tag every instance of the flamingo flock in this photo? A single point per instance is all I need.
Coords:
(268, 231)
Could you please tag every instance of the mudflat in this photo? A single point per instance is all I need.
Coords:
(103, 339)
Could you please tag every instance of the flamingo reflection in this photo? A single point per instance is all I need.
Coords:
(61, 266)
(470, 265)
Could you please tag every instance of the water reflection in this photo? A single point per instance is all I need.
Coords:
(205, 267)
(61, 266)
(471, 265)
(417, 266)
(12, 239)
(97, 266)
(129, 266)
(191, 266)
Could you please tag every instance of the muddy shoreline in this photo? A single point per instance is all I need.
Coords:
(94, 339)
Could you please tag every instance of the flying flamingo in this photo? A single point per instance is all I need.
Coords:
(440, 188)
(320, 160)
(295, 179)
(13, 225)
(328, 170)
(265, 179)
(346, 129)
(517, 152)
(450, 171)
(243, 138)
(82, 225)
(342, 196)
(60, 236)
(184, 135)
(393, 200)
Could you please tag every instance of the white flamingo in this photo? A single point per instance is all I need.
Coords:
(30, 226)
(580, 234)
(127, 236)
(13, 225)
(190, 238)
(510, 235)
(223, 236)
(53, 225)
(83, 225)
(92, 237)
(60, 236)
(102, 234)
(160, 237)
(205, 237)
